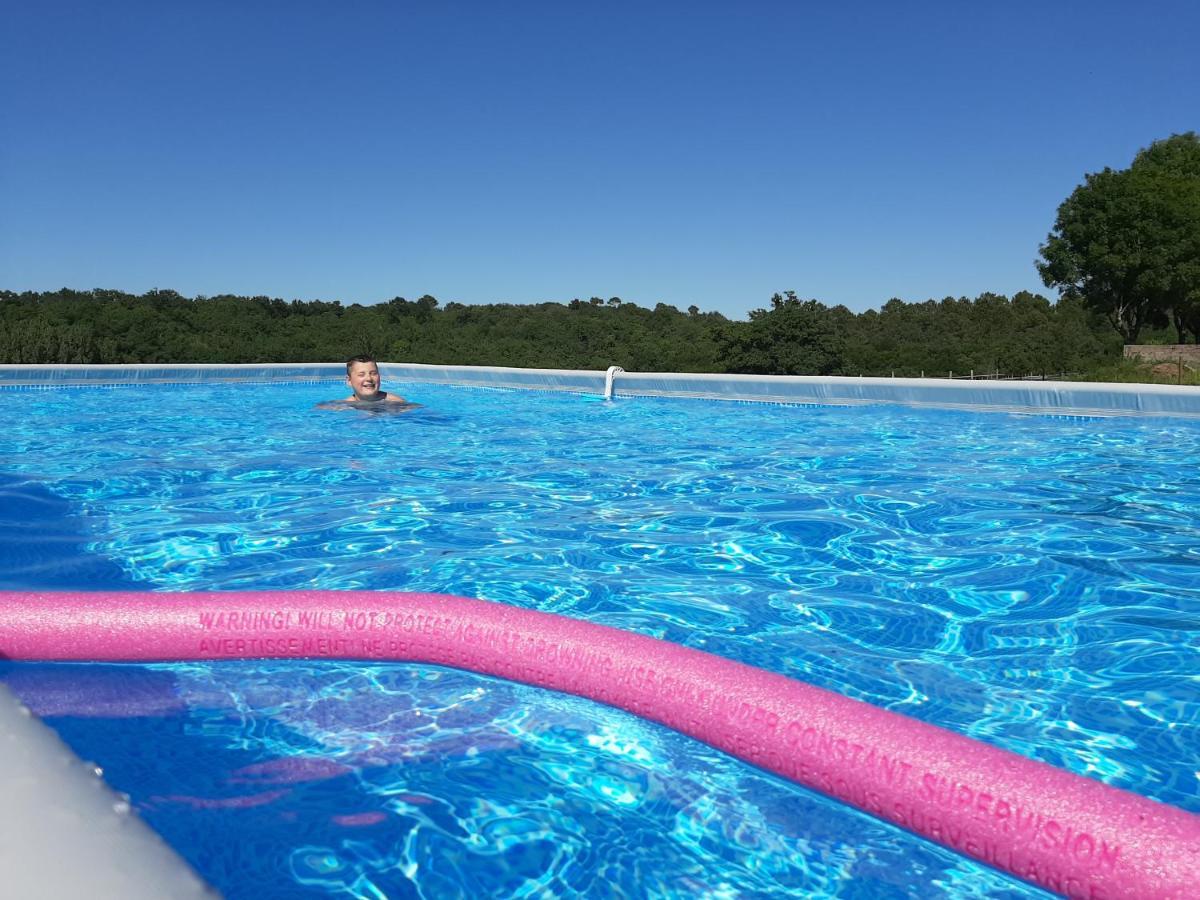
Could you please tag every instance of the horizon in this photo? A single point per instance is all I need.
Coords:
(681, 154)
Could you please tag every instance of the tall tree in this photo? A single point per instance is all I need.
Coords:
(1126, 242)
(794, 337)
(1174, 166)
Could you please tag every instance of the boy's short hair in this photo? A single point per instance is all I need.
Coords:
(350, 363)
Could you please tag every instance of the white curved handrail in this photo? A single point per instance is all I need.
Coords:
(609, 378)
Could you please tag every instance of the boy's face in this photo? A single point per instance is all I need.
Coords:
(364, 380)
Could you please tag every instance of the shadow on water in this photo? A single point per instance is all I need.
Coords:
(43, 543)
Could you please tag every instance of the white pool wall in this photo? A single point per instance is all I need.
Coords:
(1057, 397)
(1062, 397)
(160, 373)
(65, 833)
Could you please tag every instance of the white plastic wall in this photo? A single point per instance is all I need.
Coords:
(1060, 397)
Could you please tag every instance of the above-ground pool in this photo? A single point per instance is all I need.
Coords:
(1029, 581)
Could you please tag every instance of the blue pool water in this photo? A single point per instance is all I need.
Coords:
(1029, 581)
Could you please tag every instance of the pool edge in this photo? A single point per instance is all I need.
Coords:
(1086, 399)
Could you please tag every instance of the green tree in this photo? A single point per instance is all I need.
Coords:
(1127, 242)
(793, 337)
(1173, 165)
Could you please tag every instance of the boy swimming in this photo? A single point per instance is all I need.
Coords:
(362, 374)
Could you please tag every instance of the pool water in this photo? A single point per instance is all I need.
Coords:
(1029, 581)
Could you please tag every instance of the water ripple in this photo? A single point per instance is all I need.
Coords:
(1030, 582)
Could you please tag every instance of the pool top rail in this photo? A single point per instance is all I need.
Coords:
(1075, 398)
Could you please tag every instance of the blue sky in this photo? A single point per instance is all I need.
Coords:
(685, 153)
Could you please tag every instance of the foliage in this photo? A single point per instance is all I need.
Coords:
(1173, 165)
(1127, 242)
(796, 337)
(1027, 334)
(161, 326)
(1124, 252)
(1141, 372)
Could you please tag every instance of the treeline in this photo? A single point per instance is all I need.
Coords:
(793, 336)
(1124, 253)
(1026, 334)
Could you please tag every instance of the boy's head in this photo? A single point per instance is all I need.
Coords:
(362, 374)
(355, 360)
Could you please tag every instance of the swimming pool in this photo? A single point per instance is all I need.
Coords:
(1025, 580)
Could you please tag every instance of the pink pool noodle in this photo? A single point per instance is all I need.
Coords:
(1066, 833)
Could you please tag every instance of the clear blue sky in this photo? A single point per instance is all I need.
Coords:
(706, 153)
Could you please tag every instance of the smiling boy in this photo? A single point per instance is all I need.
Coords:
(362, 374)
